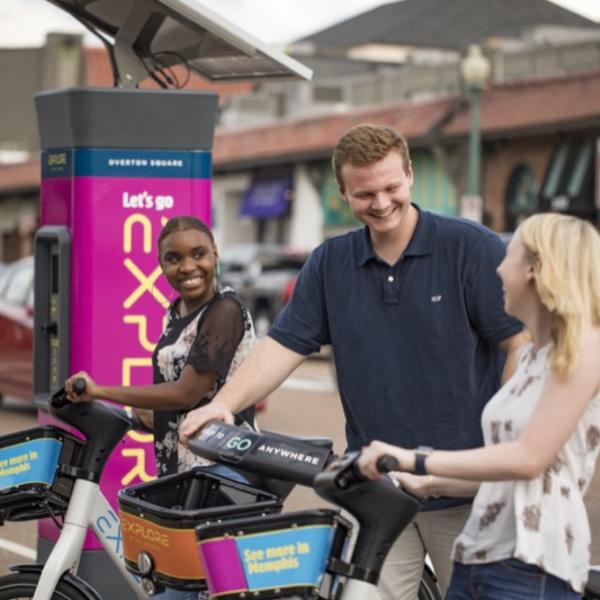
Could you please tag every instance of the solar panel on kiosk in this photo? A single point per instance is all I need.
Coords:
(179, 31)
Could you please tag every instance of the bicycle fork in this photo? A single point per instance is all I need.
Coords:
(86, 507)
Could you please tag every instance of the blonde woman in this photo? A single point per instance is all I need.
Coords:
(528, 534)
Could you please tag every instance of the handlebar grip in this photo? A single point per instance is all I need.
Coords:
(79, 386)
(59, 399)
(387, 463)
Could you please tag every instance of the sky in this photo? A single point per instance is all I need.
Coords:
(25, 22)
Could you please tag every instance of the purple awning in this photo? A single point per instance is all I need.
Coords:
(268, 196)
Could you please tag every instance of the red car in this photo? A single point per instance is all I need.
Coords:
(16, 325)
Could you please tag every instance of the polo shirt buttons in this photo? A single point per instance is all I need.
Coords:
(390, 278)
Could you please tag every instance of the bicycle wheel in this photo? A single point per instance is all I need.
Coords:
(428, 588)
(22, 586)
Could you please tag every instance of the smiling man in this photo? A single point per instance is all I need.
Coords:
(413, 309)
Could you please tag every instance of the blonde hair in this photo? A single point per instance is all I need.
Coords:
(364, 145)
(565, 252)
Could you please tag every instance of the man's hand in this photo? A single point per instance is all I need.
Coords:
(196, 419)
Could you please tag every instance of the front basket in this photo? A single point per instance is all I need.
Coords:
(31, 483)
(276, 556)
(159, 520)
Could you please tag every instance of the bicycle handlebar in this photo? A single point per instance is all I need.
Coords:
(277, 456)
(269, 454)
(79, 385)
(348, 473)
(387, 464)
(59, 401)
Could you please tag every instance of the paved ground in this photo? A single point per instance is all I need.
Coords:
(308, 405)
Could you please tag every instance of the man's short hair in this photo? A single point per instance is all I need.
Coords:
(365, 145)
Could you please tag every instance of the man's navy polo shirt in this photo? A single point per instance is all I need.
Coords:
(415, 344)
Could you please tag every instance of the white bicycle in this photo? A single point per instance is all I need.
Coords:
(47, 472)
(59, 478)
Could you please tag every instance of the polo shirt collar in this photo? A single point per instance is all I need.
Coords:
(420, 244)
(363, 249)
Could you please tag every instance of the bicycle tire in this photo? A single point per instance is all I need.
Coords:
(21, 586)
(428, 588)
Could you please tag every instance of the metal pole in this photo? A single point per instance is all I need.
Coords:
(474, 143)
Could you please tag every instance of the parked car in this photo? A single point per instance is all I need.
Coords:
(262, 275)
(16, 330)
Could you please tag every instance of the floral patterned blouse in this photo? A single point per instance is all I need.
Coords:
(214, 338)
(542, 521)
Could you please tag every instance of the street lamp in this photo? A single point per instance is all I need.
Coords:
(475, 70)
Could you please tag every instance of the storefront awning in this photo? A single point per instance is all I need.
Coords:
(268, 196)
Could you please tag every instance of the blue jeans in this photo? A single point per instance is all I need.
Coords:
(509, 579)
(224, 471)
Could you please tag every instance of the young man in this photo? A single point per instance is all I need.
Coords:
(413, 309)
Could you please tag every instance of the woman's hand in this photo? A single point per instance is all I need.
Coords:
(417, 485)
(91, 389)
(367, 462)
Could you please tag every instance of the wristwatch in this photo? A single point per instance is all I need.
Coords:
(421, 454)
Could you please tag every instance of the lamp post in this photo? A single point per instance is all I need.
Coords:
(475, 70)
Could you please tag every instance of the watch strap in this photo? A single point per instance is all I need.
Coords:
(421, 454)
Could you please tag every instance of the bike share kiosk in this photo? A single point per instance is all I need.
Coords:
(116, 165)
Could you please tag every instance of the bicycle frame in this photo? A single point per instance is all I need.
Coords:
(87, 508)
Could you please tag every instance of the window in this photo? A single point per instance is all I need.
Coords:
(569, 182)
(18, 285)
(323, 93)
(521, 196)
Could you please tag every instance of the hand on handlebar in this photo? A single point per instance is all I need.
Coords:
(417, 485)
(89, 393)
(196, 419)
(371, 454)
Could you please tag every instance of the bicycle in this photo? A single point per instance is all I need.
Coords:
(73, 494)
(56, 474)
(340, 483)
(294, 555)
